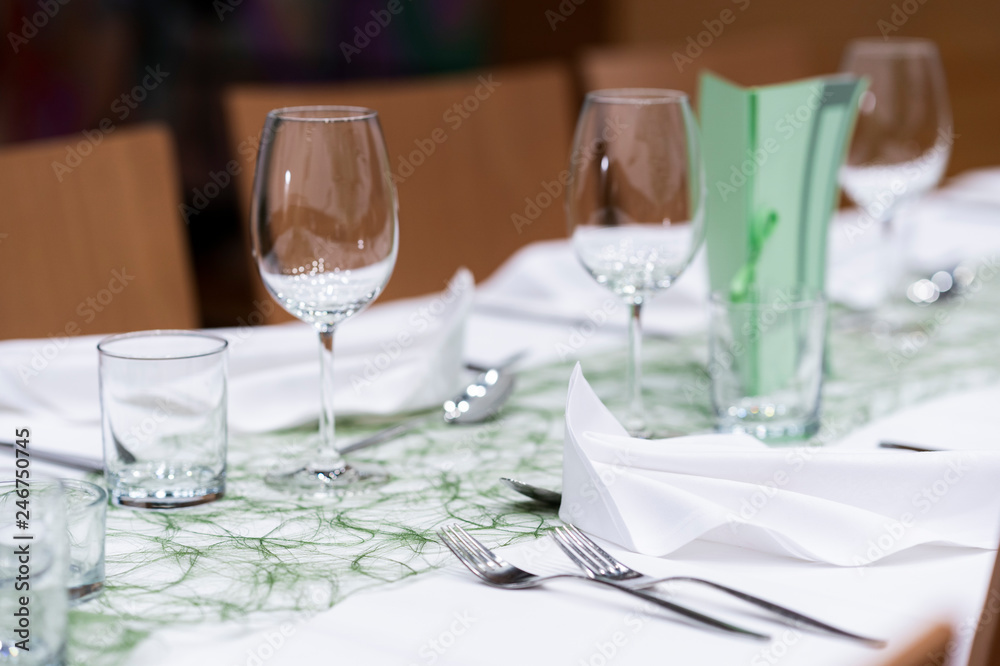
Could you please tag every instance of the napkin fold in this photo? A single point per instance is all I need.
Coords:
(546, 281)
(843, 507)
(958, 223)
(398, 357)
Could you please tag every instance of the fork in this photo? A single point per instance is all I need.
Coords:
(497, 572)
(600, 565)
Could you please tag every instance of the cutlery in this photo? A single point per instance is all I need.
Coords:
(600, 565)
(907, 447)
(64, 459)
(480, 400)
(945, 283)
(550, 497)
(497, 572)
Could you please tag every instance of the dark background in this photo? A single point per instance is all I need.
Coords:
(66, 77)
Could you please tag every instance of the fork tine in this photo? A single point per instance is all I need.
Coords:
(487, 565)
(459, 548)
(596, 550)
(579, 555)
(589, 567)
(781, 611)
(481, 552)
(461, 553)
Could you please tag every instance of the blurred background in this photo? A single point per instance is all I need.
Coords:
(67, 65)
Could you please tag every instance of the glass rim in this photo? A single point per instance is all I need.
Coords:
(111, 339)
(637, 96)
(352, 113)
(100, 492)
(797, 299)
(892, 45)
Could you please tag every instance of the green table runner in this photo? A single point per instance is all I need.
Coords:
(258, 556)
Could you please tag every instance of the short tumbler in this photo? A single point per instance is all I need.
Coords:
(33, 572)
(86, 514)
(766, 354)
(163, 412)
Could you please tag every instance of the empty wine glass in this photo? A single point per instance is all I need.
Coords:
(902, 140)
(635, 203)
(325, 235)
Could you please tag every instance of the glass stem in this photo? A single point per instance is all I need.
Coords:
(889, 270)
(328, 456)
(636, 414)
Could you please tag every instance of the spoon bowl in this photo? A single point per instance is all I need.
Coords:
(481, 399)
(543, 495)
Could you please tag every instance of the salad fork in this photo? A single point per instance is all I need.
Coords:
(497, 572)
(600, 565)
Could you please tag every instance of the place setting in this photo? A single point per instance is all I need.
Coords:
(717, 419)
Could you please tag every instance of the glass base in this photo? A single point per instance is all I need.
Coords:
(153, 484)
(773, 432)
(324, 481)
(638, 430)
(139, 499)
(82, 593)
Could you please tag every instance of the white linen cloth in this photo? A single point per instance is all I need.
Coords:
(959, 222)
(450, 618)
(545, 281)
(403, 356)
(843, 507)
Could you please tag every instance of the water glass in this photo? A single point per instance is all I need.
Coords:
(33, 572)
(163, 413)
(766, 354)
(325, 232)
(902, 140)
(635, 205)
(86, 514)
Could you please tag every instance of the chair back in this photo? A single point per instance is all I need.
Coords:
(478, 159)
(757, 58)
(986, 644)
(930, 649)
(93, 239)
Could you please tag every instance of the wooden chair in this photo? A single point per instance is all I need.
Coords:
(986, 644)
(930, 649)
(92, 239)
(756, 58)
(477, 159)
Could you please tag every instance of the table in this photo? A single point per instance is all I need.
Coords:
(259, 558)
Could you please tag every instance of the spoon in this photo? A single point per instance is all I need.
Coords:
(942, 284)
(907, 447)
(543, 495)
(480, 400)
(64, 459)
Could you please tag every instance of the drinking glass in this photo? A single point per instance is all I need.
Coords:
(325, 237)
(766, 362)
(635, 203)
(163, 417)
(33, 570)
(86, 517)
(903, 137)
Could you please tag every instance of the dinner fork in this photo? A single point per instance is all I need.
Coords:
(600, 565)
(496, 571)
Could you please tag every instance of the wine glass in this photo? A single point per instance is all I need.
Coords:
(902, 140)
(325, 237)
(635, 203)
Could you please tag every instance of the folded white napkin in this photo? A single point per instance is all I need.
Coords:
(398, 357)
(546, 281)
(959, 222)
(844, 507)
